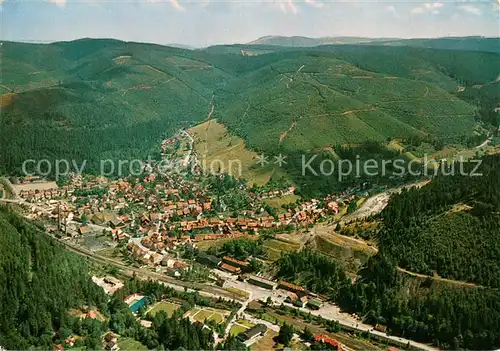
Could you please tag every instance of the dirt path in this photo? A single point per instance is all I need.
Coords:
(446, 280)
(292, 127)
(348, 112)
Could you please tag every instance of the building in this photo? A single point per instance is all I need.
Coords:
(173, 272)
(253, 333)
(83, 230)
(235, 262)
(291, 287)
(231, 269)
(314, 304)
(263, 283)
(208, 260)
(296, 300)
(328, 340)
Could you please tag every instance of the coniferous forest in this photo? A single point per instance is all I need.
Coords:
(448, 228)
(41, 283)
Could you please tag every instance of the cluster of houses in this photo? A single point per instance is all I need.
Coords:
(276, 193)
(170, 141)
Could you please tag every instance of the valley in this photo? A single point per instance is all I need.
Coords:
(219, 198)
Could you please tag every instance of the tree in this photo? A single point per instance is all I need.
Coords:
(307, 335)
(232, 344)
(269, 301)
(286, 334)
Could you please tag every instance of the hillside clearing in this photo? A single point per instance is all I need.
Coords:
(217, 147)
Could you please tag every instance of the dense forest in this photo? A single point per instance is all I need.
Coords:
(42, 285)
(313, 271)
(107, 99)
(447, 315)
(450, 226)
(450, 316)
(39, 283)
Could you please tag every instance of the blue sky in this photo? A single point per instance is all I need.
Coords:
(207, 22)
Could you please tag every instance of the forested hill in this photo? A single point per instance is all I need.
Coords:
(450, 227)
(39, 283)
(98, 99)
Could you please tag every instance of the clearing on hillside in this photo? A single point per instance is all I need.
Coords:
(215, 146)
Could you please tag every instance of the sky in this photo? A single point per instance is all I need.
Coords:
(201, 23)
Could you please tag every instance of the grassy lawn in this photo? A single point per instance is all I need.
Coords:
(111, 252)
(282, 200)
(275, 248)
(203, 314)
(218, 318)
(130, 344)
(266, 342)
(237, 329)
(238, 292)
(245, 323)
(168, 307)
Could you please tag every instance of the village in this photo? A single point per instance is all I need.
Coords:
(156, 214)
(154, 219)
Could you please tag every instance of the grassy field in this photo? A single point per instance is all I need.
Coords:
(351, 254)
(277, 202)
(166, 306)
(275, 248)
(238, 292)
(130, 344)
(265, 343)
(213, 142)
(200, 314)
(240, 326)
(237, 329)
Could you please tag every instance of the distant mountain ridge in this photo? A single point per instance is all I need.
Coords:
(299, 41)
(473, 43)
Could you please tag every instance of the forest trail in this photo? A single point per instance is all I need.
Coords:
(283, 135)
(445, 280)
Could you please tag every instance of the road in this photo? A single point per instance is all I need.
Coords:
(191, 148)
(328, 311)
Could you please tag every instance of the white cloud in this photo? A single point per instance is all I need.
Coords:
(392, 10)
(176, 5)
(470, 9)
(314, 3)
(288, 6)
(59, 3)
(432, 7)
